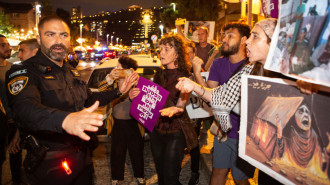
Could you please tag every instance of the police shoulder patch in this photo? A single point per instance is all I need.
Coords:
(17, 84)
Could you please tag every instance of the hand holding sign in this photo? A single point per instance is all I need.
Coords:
(149, 98)
(134, 92)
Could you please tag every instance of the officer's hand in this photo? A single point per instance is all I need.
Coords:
(78, 122)
(14, 145)
(129, 82)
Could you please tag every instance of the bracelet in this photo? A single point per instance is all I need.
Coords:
(202, 87)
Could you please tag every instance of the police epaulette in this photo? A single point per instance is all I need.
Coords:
(42, 68)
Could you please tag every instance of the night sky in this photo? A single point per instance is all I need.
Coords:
(93, 6)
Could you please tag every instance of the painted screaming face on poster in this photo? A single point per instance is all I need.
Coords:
(303, 118)
(299, 142)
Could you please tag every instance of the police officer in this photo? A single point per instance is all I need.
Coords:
(48, 97)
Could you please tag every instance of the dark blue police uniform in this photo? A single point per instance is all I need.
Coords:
(41, 94)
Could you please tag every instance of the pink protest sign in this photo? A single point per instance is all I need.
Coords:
(145, 107)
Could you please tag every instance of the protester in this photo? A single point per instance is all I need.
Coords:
(194, 153)
(48, 97)
(202, 47)
(257, 49)
(171, 133)
(226, 152)
(125, 134)
(5, 51)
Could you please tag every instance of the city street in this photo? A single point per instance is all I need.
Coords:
(101, 157)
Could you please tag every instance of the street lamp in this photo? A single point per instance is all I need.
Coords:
(81, 25)
(117, 40)
(111, 39)
(107, 39)
(161, 27)
(173, 6)
(38, 13)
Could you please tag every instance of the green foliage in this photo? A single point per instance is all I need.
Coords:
(196, 10)
(5, 27)
(168, 17)
(46, 8)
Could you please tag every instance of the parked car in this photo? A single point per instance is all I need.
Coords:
(90, 54)
(147, 69)
(80, 54)
(99, 54)
(110, 54)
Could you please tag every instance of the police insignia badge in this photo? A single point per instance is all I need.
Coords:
(17, 84)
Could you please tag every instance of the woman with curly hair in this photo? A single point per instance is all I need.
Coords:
(171, 133)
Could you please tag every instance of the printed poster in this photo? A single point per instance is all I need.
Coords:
(300, 46)
(196, 106)
(285, 133)
(146, 106)
(191, 29)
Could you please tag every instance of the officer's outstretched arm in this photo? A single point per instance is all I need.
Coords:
(78, 122)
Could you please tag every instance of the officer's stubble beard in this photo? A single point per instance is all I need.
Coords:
(56, 56)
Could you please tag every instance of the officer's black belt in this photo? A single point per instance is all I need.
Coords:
(59, 154)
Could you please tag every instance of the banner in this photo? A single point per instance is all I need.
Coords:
(191, 29)
(300, 46)
(283, 132)
(146, 106)
(270, 8)
(196, 106)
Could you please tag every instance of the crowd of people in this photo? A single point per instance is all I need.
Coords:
(51, 105)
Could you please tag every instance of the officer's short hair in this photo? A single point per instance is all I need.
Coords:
(50, 18)
(31, 43)
(2, 36)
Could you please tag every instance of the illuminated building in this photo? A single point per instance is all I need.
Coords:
(21, 15)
